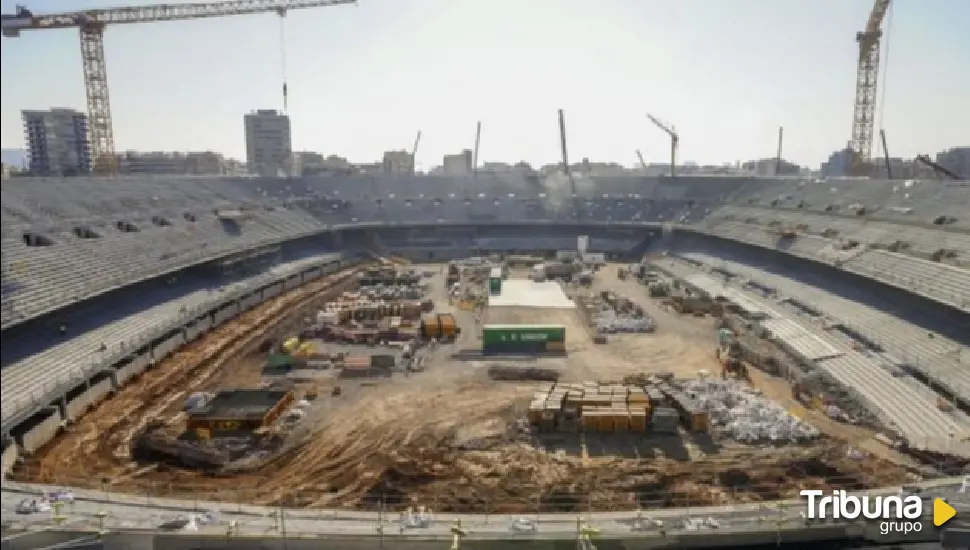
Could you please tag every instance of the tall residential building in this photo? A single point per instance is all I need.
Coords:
(58, 142)
(459, 164)
(269, 151)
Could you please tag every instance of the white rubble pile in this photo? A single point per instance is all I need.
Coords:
(608, 321)
(745, 415)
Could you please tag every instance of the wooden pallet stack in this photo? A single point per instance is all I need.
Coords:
(598, 407)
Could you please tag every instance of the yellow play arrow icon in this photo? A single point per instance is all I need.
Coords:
(942, 512)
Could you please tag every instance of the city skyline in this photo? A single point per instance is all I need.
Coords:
(363, 80)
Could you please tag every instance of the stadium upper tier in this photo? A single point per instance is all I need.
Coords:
(64, 240)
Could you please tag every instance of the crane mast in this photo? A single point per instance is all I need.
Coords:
(867, 76)
(640, 158)
(674, 142)
(91, 24)
(478, 140)
(414, 152)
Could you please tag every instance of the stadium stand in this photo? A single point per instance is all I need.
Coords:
(884, 379)
(68, 240)
(65, 242)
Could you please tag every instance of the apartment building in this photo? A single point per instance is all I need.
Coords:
(58, 142)
(269, 149)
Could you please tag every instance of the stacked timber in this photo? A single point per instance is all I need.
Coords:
(591, 406)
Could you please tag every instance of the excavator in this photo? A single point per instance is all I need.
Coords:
(729, 354)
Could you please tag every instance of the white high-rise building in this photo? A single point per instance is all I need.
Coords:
(269, 151)
(58, 142)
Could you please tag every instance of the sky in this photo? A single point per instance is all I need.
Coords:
(364, 79)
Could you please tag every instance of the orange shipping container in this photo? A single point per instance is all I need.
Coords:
(621, 422)
(638, 421)
(698, 421)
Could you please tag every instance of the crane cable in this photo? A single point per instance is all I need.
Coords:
(282, 15)
(885, 66)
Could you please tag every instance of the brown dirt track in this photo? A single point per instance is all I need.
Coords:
(442, 440)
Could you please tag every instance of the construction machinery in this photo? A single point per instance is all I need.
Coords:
(454, 274)
(867, 78)
(730, 355)
(91, 24)
(643, 163)
(937, 168)
(674, 142)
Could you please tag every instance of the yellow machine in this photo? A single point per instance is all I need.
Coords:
(732, 361)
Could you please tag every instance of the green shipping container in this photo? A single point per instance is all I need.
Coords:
(495, 285)
(502, 335)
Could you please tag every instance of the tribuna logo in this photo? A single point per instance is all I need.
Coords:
(890, 510)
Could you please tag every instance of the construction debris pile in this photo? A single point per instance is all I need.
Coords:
(618, 314)
(746, 416)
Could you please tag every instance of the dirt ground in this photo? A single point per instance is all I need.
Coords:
(451, 439)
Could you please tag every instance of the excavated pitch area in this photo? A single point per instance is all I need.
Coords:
(446, 439)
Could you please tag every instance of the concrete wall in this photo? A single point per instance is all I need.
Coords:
(87, 399)
(10, 455)
(43, 432)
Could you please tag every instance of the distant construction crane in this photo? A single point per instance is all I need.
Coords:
(640, 157)
(674, 142)
(478, 141)
(414, 152)
(885, 154)
(562, 144)
(867, 79)
(91, 24)
(781, 141)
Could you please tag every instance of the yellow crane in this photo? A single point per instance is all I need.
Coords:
(91, 24)
(674, 142)
(867, 77)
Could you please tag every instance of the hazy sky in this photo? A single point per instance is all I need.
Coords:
(363, 79)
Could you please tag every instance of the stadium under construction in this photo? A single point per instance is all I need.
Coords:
(343, 354)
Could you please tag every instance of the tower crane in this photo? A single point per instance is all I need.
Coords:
(674, 142)
(867, 76)
(414, 151)
(91, 24)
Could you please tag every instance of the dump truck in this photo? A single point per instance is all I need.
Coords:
(439, 326)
